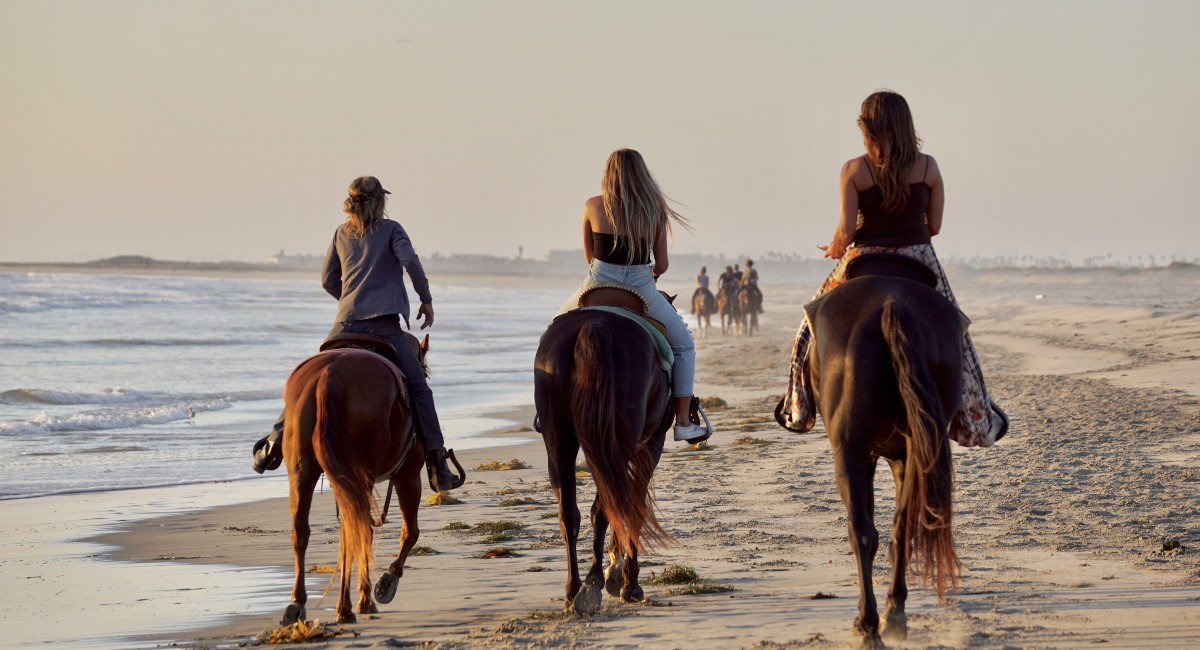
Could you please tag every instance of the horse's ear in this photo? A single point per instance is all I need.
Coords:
(425, 344)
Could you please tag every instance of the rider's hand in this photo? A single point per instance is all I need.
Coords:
(425, 314)
(837, 248)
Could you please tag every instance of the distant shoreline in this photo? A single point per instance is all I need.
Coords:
(136, 265)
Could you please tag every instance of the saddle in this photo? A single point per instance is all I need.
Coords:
(364, 344)
(615, 294)
(892, 265)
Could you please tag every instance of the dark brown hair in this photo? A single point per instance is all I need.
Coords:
(892, 145)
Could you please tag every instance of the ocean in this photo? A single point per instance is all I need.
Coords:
(132, 381)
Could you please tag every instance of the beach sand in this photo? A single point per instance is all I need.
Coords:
(1081, 528)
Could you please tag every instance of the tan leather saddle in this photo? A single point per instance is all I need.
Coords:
(614, 294)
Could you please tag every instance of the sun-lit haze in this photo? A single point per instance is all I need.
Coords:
(229, 130)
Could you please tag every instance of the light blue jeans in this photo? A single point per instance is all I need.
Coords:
(641, 278)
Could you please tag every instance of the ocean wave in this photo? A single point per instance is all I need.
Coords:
(143, 342)
(109, 418)
(115, 396)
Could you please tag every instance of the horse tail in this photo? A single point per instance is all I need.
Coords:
(928, 543)
(621, 464)
(351, 482)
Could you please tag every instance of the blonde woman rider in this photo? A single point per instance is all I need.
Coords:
(893, 197)
(625, 233)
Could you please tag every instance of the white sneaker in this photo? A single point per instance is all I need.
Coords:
(691, 433)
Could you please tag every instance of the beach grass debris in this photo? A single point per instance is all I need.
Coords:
(499, 526)
(537, 568)
(497, 538)
(443, 499)
(675, 574)
(820, 595)
(516, 501)
(498, 552)
(457, 525)
(751, 440)
(582, 468)
(507, 489)
(423, 550)
(499, 466)
(548, 515)
(684, 580)
(322, 568)
(713, 403)
(301, 632)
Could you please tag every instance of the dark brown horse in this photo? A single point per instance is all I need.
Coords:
(345, 418)
(728, 308)
(598, 386)
(886, 370)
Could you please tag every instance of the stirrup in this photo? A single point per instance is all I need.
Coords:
(267, 456)
(431, 470)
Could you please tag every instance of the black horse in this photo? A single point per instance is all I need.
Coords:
(598, 386)
(886, 370)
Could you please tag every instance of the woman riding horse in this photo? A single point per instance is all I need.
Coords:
(892, 201)
(625, 232)
(364, 271)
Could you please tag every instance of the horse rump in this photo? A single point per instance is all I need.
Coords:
(621, 463)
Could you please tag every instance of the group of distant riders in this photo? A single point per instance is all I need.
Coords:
(730, 282)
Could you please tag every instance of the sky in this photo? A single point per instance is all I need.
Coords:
(229, 130)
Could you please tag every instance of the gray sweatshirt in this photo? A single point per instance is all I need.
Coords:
(366, 274)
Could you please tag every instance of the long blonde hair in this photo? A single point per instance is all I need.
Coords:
(365, 206)
(892, 145)
(634, 204)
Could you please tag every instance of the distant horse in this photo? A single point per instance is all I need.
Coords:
(886, 370)
(749, 303)
(598, 386)
(345, 418)
(728, 308)
(704, 305)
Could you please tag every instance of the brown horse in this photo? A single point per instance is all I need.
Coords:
(728, 308)
(749, 302)
(704, 305)
(345, 418)
(886, 370)
(598, 386)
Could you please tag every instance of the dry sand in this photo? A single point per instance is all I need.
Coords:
(1067, 529)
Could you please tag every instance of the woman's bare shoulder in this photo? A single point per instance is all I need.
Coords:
(932, 173)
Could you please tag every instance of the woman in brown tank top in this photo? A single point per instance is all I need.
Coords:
(893, 197)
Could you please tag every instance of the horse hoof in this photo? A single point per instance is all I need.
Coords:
(369, 608)
(346, 618)
(895, 627)
(587, 601)
(385, 589)
(292, 614)
(613, 578)
(633, 595)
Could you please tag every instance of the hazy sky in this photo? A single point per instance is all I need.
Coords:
(214, 130)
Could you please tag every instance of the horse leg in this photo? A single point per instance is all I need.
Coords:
(408, 495)
(300, 502)
(856, 484)
(895, 621)
(631, 591)
(561, 461)
(587, 600)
